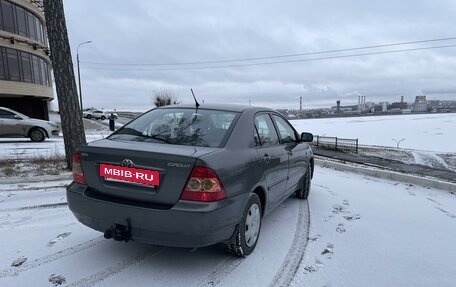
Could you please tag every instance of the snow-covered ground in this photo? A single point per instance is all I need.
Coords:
(23, 148)
(353, 231)
(367, 231)
(426, 132)
(426, 139)
(362, 232)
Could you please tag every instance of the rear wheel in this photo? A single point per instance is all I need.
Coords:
(248, 232)
(89, 116)
(304, 188)
(37, 135)
(103, 118)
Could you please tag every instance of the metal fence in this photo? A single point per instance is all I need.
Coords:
(336, 143)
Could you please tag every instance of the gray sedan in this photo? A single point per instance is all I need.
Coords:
(191, 176)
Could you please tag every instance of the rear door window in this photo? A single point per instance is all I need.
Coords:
(266, 134)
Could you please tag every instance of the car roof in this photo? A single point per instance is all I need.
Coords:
(223, 107)
(8, 109)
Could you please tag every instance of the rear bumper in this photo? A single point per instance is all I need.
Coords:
(186, 224)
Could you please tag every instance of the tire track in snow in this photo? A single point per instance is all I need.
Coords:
(295, 254)
(135, 259)
(288, 268)
(13, 271)
(24, 188)
(221, 271)
(41, 206)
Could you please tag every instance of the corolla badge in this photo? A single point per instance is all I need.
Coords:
(178, 164)
(127, 163)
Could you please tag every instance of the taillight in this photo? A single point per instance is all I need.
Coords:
(203, 185)
(78, 175)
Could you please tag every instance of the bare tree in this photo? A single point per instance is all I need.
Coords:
(164, 97)
(70, 111)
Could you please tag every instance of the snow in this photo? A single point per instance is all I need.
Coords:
(381, 233)
(428, 132)
(428, 158)
(363, 231)
(22, 148)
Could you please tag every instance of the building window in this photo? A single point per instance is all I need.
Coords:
(21, 17)
(26, 68)
(31, 25)
(16, 19)
(36, 70)
(8, 16)
(39, 30)
(2, 65)
(23, 67)
(13, 65)
(44, 78)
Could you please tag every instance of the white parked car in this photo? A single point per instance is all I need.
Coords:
(94, 114)
(15, 124)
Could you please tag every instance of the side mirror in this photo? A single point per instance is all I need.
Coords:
(307, 137)
(16, 117)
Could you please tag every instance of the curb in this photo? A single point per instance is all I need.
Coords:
(391, 175)
(43, 178)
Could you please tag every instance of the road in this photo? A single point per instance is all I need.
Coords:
(53, 242)
(95, 124)
(354, 230)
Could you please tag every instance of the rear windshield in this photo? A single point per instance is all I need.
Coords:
(180, 127)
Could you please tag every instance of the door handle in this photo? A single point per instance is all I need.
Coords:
(266, 157)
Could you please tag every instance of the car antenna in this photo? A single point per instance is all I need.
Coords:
(196, 102)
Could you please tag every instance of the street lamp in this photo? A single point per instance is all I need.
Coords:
(79, 73)
(398, 141)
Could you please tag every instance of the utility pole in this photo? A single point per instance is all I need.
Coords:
(65, 84)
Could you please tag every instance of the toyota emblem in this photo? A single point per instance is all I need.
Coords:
(127, 163)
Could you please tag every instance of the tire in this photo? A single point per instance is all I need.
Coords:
(103, 118)
(304, 189)
(248, 232)
(37, 135)
(89, 117)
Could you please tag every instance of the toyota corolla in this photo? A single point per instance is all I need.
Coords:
(189, 176)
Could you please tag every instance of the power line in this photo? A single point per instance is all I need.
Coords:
(274, 62)
(274, 57)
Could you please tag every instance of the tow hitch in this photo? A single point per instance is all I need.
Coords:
(119, 232)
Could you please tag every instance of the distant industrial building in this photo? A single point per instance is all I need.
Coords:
(363, 108)
(434, 105)
(361, 103)
(25, 66)
(420, 105)
(398, 105)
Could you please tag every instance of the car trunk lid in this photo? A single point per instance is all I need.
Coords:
(152, 173)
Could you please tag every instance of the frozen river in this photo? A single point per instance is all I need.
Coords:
(428, 132)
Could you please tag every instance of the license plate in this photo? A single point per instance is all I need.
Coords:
(130, 174)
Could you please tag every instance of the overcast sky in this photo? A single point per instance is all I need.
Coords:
(129, 37)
